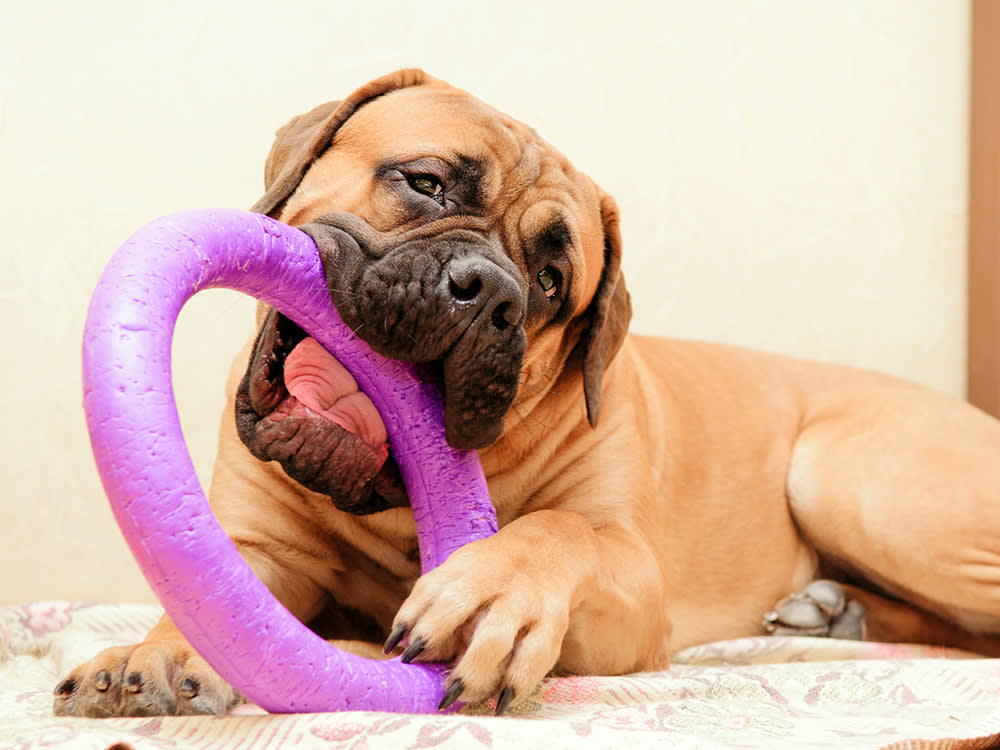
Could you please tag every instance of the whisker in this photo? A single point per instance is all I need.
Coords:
(525, 412)
(509, 443)
(338, 290)
(522, 412)
(345, 292)
(536, 389)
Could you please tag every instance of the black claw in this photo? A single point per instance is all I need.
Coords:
(189, 688)
(414, 650)
(452, 694)
(394, 638)
(503, 701)
(102, 681)
(66, 687)
(133, 683)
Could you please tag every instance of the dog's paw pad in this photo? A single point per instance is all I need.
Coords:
(820, 609)
(850, 626)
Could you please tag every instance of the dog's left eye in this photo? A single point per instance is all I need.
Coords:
(548, 280)
(428, 185)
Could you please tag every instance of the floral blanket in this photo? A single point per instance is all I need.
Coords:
(752, 693)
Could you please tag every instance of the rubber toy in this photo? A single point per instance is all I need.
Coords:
(222, 608)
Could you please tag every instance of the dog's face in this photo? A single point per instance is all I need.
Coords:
(452, 235)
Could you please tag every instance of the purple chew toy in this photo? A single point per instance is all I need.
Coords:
(226, 613)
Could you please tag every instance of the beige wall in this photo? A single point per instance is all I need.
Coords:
(791, 176)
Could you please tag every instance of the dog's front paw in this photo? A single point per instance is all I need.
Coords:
(155, 678)
(485, 612)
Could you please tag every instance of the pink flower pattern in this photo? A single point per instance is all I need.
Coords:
(775, 693)
(47, 617)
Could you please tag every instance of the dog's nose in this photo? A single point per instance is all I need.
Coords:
(478, 282)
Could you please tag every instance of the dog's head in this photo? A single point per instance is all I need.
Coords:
(452, 235)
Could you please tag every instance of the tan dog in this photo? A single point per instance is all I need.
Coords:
(652, 494)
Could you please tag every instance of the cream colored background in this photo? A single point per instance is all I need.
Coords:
(791, 176)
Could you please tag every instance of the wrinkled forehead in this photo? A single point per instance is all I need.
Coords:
(435, 121)
(504, 156)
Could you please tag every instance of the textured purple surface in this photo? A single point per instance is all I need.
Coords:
(226, 613)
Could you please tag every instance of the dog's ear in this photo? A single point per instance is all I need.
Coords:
(303, 140)
(610, 312)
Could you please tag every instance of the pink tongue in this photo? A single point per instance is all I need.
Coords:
(320, 382)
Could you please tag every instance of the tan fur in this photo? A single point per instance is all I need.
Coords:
(716, 481)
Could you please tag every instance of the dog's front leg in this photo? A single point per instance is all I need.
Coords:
(548, 591)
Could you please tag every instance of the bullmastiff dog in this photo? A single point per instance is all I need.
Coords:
(652, 494)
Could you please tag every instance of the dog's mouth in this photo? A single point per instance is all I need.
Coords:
(301, 407)
(297, 405)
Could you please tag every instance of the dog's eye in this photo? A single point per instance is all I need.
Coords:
(548, 280)
(428, 185)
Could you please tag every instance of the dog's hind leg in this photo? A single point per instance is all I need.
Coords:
(899, 487)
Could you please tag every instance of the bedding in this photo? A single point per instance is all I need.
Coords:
(769, 692)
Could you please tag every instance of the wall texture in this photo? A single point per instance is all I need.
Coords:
(791, 176)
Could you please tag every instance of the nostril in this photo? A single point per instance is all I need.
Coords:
(467, 292)
(501, 315)
(486, 290)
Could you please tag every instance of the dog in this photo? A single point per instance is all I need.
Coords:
(652, 494)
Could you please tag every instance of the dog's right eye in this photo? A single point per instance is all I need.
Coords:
(428, 185)
(548, 280)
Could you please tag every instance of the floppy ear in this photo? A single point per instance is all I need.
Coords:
(299, 143)
(610, 313)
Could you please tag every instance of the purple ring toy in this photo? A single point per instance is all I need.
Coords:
(226, 613)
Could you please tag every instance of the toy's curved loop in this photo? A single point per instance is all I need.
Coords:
(226, 613)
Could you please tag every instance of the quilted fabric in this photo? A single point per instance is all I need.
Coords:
(752, 693)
